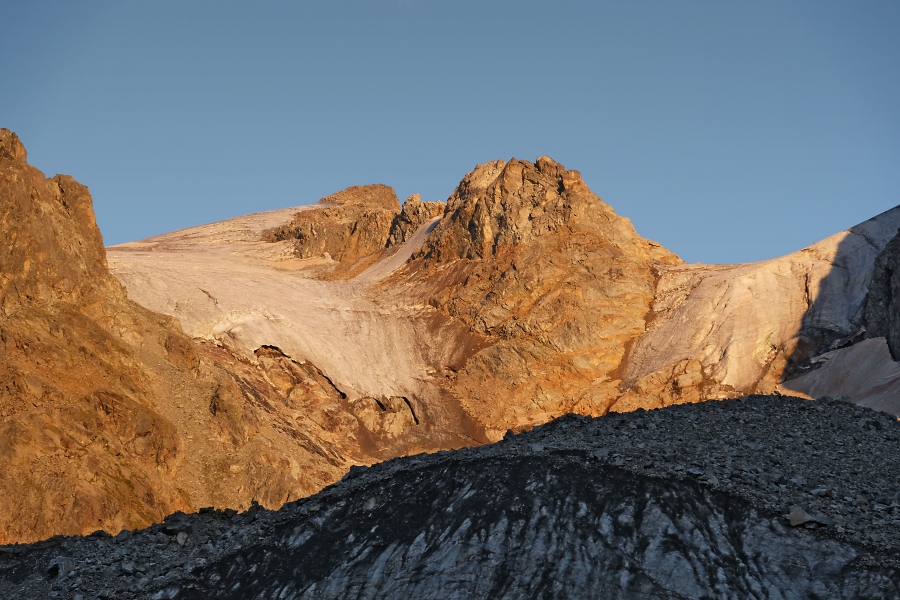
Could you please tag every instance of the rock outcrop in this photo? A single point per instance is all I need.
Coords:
(80, 446)
(52, 249)
(557, 283)
(112, 418)
(414, 215)
(741, 498)
(348, 226)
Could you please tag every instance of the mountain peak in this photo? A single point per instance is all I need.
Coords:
(376, 195)
(11, 147)
(500, 205)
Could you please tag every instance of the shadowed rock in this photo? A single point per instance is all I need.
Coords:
(718, 499)
(883, 303)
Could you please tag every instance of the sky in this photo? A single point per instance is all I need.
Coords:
(727, 131)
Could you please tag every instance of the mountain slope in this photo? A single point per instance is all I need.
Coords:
(558, 283)
(514, 308)
(110, 417)
(299, 342)
(726, 330)
(528, 298)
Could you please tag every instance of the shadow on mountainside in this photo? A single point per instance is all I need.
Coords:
(854, 301)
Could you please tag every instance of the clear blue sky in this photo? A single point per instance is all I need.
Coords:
(727, 131)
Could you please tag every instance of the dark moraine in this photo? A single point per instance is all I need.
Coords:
(690, 501)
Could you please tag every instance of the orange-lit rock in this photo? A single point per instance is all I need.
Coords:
(258, 358)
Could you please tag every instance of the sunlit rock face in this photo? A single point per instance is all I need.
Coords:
(110, 416)
(81, 446)
(414, 215)
(256, 359)
(556, 282)
(349, 226)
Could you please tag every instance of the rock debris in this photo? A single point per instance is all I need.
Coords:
(762, 496)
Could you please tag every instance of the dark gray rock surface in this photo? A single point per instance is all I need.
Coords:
(691, 501)
(883, 301)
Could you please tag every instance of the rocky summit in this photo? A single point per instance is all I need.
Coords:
(565, 389)
(740, 498)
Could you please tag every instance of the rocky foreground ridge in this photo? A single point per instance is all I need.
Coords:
(758, 497)
(258, 359)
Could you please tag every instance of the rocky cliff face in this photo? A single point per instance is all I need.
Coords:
(353, 331)
(414, 215)
(883, 302)
(52, 249)
(721, 499)
(557, 283)
(110, 417)
(349, 226)
(74, 405)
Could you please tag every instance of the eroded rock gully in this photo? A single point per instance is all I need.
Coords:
(690, 501)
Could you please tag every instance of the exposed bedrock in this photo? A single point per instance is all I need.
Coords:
(110, 416)
(883, 303)
(80, 444)
(414, 215)
(51, 249)
(348, 226)
(556, 282)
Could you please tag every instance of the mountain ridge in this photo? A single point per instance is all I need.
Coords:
(250, 366)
